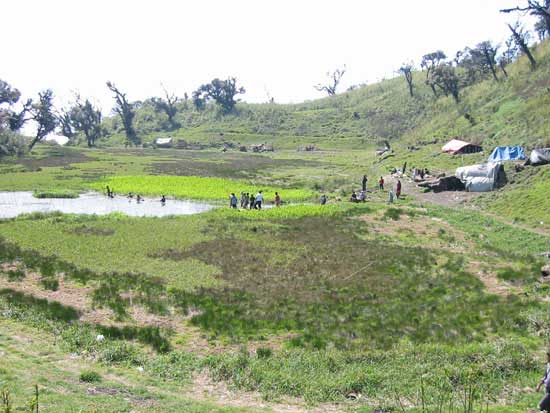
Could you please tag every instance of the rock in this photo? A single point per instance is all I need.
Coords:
(100, 337)
(545, 271)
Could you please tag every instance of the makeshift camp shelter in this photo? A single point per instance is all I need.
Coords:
(481, 178)
(163, 142)
(456, 146)
(507, 153)
(59, 139)
(539, 157)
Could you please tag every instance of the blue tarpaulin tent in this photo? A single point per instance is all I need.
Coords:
(507, 153)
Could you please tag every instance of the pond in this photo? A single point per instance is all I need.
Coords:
(13, 204)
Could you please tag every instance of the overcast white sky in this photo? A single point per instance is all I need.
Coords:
(277, 48)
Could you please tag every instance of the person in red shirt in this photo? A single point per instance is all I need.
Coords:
(381, 184)
(277, 199)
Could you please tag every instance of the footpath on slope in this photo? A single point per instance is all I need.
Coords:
(453, 199)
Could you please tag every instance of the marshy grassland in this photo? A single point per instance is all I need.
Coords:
(417, 306)
(303, 304)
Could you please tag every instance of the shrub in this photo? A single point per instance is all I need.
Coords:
(90, 376)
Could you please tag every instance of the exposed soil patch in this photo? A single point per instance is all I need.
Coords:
(446, 198)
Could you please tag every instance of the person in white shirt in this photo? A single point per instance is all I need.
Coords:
(259, 200)
(544, 405)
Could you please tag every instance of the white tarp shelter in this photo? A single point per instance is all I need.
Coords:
(482, 177)
(164, 142)
(59, 139)
(539, 157)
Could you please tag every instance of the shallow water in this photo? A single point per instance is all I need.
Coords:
(13, 204)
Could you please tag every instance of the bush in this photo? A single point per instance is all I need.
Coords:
(55, 194)
(11, 144)
(90, 376)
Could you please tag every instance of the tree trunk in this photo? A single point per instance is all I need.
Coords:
(518, 38)
(34, 141)
(503, 68)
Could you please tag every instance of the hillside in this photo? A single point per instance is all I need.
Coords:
(512, 111)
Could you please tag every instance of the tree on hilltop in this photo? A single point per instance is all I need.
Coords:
(508, 55)
(8, 117)
(126, 112)
(429, 63)
(222, 92)
(334, 80)
(167, 106)
(43, 114)
(538, 8)
(407, 70)
(446, 78)
(86, 118)
(521, 39)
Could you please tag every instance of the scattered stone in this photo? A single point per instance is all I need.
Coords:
(100, 338)
(545, 270)
(353, 396)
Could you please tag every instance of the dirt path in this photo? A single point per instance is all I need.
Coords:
(446, 198)
(454, 199)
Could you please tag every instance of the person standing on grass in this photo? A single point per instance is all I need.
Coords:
(244, 200)
(277, 199)
(323, 199)
(259, 200)
(390, 200)
(544, 405)
(233, 201)
(364, 183)
(398, 189)
(252, 201)
(381, 183)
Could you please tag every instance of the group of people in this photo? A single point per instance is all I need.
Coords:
(110, 194)
(419, 173)
(251, 201)
(362, 196)
(139, 198)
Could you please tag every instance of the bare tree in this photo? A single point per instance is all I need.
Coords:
(125, 110)
(407, 70)
(508, 55)
(520, 37)
(538, 8)
(168, 106)
(334, 80)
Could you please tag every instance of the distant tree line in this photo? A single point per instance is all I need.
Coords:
(448, 76)
(84, 119)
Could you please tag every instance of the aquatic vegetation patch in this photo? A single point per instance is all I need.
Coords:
(194, 187)
(55, 193)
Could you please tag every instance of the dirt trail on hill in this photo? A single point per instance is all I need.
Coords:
(445, 198)
(453, 199)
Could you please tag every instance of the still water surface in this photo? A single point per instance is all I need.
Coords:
(13, 204)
